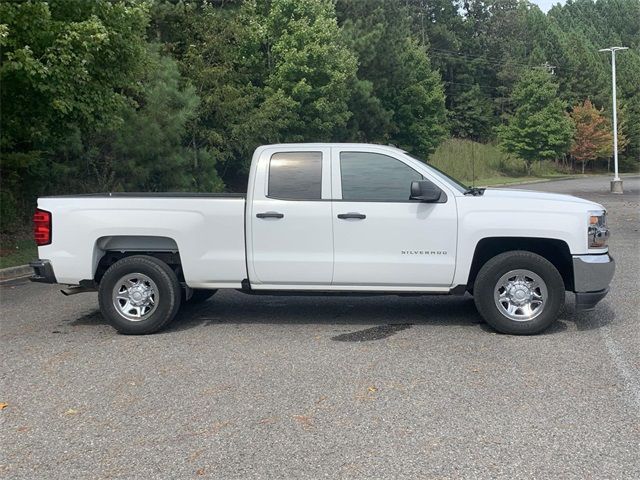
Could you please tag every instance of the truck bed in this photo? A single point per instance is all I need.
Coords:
(207, 230)
(151, 194)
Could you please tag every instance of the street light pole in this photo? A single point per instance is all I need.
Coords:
(616, 183)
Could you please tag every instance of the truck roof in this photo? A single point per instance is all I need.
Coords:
(329, 145)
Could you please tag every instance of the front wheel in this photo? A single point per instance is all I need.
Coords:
(519, 293)
(139, 295)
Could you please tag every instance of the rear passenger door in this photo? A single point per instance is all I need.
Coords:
(291, 225)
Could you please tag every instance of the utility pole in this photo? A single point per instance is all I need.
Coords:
(616, 183)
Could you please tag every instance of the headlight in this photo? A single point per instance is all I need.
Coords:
(597, 230)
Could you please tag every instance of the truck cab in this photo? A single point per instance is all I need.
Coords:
(344, 217)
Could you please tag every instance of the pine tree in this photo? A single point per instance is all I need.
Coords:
(539, 129)
(405, 97)
(310, 69)
(222, 54)
(472, 114)
(151, 146)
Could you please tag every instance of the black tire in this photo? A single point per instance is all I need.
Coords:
(499, 266)
(167, 298)
(198, 295)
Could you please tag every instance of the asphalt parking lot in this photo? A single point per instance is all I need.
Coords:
(309, 387)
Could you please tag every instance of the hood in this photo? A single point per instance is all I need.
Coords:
(516, 194)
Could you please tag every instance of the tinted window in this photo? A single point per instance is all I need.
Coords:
(455, 183)
(296, 175)
(375, 177)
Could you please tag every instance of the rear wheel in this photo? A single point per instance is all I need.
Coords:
(519, 292)
(139, 295)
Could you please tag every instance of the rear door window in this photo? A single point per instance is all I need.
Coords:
(295, 176)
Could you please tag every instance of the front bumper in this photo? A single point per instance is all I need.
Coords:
(592, 275)
(42, 272)
(586, 301)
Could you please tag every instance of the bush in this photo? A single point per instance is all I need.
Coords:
(543, 168)
(627, 164)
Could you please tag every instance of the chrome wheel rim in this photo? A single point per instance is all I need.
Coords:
(135, 297)
(520, 295)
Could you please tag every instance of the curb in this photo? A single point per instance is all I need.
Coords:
(13, 273)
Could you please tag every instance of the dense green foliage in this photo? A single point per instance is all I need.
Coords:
(176, 94)
(69, 69)
(539, 128)
(399, 97)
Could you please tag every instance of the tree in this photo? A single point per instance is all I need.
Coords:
(67, 65)
(149, 150)
(67, 69)
(310, 67)
(592, 137)
(539, 128)
(89, 102)
(472, 114)
(219, 49)
(401, 99)
(420, 116)
(629, 128)
(266, 72)
(579, 29)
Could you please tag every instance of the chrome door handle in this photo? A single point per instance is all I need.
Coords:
(270, 215)
(358, 216)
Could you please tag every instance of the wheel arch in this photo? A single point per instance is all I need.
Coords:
(554, 250)
(109, 249)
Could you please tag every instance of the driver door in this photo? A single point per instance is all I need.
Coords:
(381, 237)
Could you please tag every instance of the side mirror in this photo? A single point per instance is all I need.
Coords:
(425, 191)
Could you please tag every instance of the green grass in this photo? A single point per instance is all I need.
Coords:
(17, 252)
(466, 160)
(503, 180)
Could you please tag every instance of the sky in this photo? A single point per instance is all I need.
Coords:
(545, 5)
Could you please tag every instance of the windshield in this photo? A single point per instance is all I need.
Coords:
(443, 176)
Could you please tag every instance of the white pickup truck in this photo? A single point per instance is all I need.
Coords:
(328, 218)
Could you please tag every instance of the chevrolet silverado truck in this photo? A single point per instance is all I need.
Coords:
(328, 219)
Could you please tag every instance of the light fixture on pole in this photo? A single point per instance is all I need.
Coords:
(616, 183)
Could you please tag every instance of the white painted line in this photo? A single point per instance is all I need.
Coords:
(630, 376)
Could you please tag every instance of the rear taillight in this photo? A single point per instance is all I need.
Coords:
(42, 227)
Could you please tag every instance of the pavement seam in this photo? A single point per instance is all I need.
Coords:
(630, 380)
